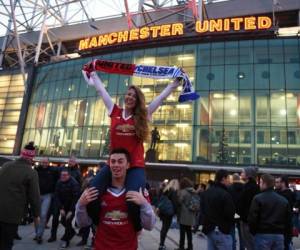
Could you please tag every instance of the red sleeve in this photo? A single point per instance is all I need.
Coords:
(117, 111)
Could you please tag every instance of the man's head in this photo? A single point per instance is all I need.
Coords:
(65, 175)
(236, 177)
(28, 152)
(119, 162)
(282, 182)
(267, 181)
(72, 161)
(248, 173)
(45, 163)
(278, 183)
(222, 177)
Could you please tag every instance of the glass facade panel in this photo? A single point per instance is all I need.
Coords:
(11, 98)
(248, 111)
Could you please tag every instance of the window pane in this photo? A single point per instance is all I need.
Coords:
(246, 52)
(261, 51)
(231, 53)
(231, 77)
(217, 54)
(203, 54)
(278, 109)
(263, 139)
(202, 144)
(262, 76)
(292, 75)
(217, 78)
(276, 51)
(216, 107)
(277, 80)
(262, 101)
(245, 76)
(291, 51)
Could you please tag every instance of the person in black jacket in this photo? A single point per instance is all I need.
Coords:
(67, 193)
(74, 169)
(218, 210)
(250, 189)
(269, 217)
(47, 181)
(282, 188)
(235, 189)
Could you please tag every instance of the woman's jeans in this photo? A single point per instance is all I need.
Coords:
(135, 179)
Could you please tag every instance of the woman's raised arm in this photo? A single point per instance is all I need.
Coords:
(154, 105)
(95, 81)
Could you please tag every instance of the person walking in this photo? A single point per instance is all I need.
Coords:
(47, 181)
(270, 217)
(186, 216)
(18, 186)
(67, 192)
(218, 210)
(169, 195)
(54, 211)
(250, 189)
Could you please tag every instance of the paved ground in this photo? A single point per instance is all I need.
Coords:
(147, 241)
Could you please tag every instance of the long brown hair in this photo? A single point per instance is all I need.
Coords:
(140, 115)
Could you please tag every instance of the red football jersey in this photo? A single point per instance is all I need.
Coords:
(122, 135)
(115, 231)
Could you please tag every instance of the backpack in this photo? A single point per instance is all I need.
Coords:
(165, 206)
(193, 203)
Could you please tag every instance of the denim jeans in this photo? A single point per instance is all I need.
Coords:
(269, 242)
(45, 205)
(217, 240)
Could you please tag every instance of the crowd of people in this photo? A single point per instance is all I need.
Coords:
(239, 211)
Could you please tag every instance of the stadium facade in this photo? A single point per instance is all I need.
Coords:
(244, 67)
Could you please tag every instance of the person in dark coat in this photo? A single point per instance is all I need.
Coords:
(218, 210)
(284, 190)
(67, 193)
(48, 177)
(74, 169)
(18, 186)
(186, 217)
(270, 217)
(169, 191)
(235, 189)
(250, 189)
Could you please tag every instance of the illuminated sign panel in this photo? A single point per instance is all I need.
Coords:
(227, 24)
(176, 29)
(165, 30)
